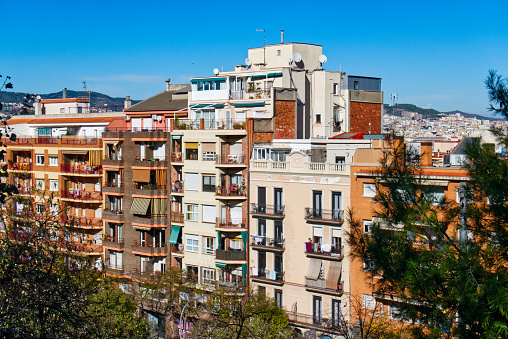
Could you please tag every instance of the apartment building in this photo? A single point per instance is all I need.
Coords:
(58, 154)
(443, 181)
(137, 184)
(299, 190)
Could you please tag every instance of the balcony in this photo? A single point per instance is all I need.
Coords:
(177, 218)
(81, 196)
(112, 187)
(25, 190)
(150, 220)
(177, 188)
(89, 223)
(263, 275)
(157, 162)
(335, 254)
(86, 249)
(142, 188)
(233, 193)
(80, 141)
(228, 224)
(310, 321)
(306, 167)
(320, 286)
(177, 250)
(267, 244)
(113, 243)
(231, 160)
(112, 160)
(230, 255)
(113, 269)
(81, 169)
(267, 211)
(176, 158)
(149, 250)
(25, 167)
(202, 124)
(335, 217)
(112, 215)
(46, 140)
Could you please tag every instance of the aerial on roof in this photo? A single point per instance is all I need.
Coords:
(161, 102)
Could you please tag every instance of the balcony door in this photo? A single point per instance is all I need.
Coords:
(277, 198)
(317, 304)
(336, 205)
(262, 199)
(261, 263)
(317, 201)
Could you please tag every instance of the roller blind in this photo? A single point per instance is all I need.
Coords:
(334, 275)
(191, 181)
(141, 175)
(208, 147)
(314, 269)
(209, 214)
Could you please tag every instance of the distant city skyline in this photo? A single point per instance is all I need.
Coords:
(434, 55)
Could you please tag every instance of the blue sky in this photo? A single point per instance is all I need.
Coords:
(433, 54)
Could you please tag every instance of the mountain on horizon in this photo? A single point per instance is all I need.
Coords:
(429, 113)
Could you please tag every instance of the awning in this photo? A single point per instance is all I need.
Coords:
(249, 104)
(269, 75)
(176, 137)
(218, 240)
(175, 231)
(219, 264)
(193, 81)
(245, 237)
(244, 274)
(334, 275)
(141, 175)
(191, 145)
(74, 152)
(207, 105)
(314, 269)
(140, 206)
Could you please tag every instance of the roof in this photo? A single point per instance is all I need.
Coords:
(376, 136)
(14, 121)
(161, 102)
(71, 120)
(57, 101)
(461, 146)
(118, 123)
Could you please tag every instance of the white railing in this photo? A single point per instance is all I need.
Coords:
(285, 166)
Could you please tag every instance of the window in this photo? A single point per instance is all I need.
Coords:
(62, 110)
(366, 226)
(336, 89)
(278, 52)
(209, 156)
(53, 209)
(209, 214)
(394, 312)
(39, 159)
(191, 181)
(368, 302)
(208, 245)
(53, 161)
(316, 309)
(191, 150)
(340, 160)
(53, 185)
(208, 276)
(278, 298)
(436, 194)
(356, 85)
(40, 208)
(336, 313)
(191, 242)
(318, 118)
(192, 273)
(192, 212)
(208, 149)
(39, 184)
(208, 183)
(369, 190)
(259, 153)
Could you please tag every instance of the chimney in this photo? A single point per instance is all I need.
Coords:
(167, 85)
(64, 93)
(281, 36)
(38, 105)
(127, 103)
(426, 154)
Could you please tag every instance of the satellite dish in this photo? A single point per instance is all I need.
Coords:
(297, 57)
(322, 58)
(248, 62)
(290, 60)
(159, 118)
(127, 118)
(215, 71)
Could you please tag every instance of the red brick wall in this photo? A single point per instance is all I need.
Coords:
(362, 113)
(285, 119)
(263, 137)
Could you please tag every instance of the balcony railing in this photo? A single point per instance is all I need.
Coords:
(177, 187)
(145, 186)
(230, 159)
(155, 249)
(230, 255)
(320, 214)
(249, 94)
(176, 157)
(114, 157)
(274, 210)
(227, 124)
(81, 195)
(316, 250)
(277, 243)
(308, 319)
(152, 219)
(114, 242)
(230, 223)
(153, 158)
(20, 166)
(177, 248)
(177, 217)
(320, 284)
(311, 167)
(81, 169)
(81, 222)
(230, 192)
(86, 248)
(114, 269)
(265, 274)
(79, 141)
(46, 140)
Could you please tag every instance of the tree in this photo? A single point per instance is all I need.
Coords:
(47, 288)
(230, 314)
(447, 261)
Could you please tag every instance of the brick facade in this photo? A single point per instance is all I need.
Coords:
(285, 119)
(362, 113)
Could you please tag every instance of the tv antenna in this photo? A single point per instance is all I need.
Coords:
(86, 92)
(264, 44)
(395, 96)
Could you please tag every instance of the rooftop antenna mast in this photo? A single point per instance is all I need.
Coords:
(395, 96)
(264, 44)
(86, 92)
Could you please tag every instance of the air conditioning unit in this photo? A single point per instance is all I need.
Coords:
(154, 116)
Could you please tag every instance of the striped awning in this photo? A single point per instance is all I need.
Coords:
(175, 231)
(140, 206)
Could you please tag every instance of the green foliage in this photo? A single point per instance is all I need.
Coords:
(453, 286)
